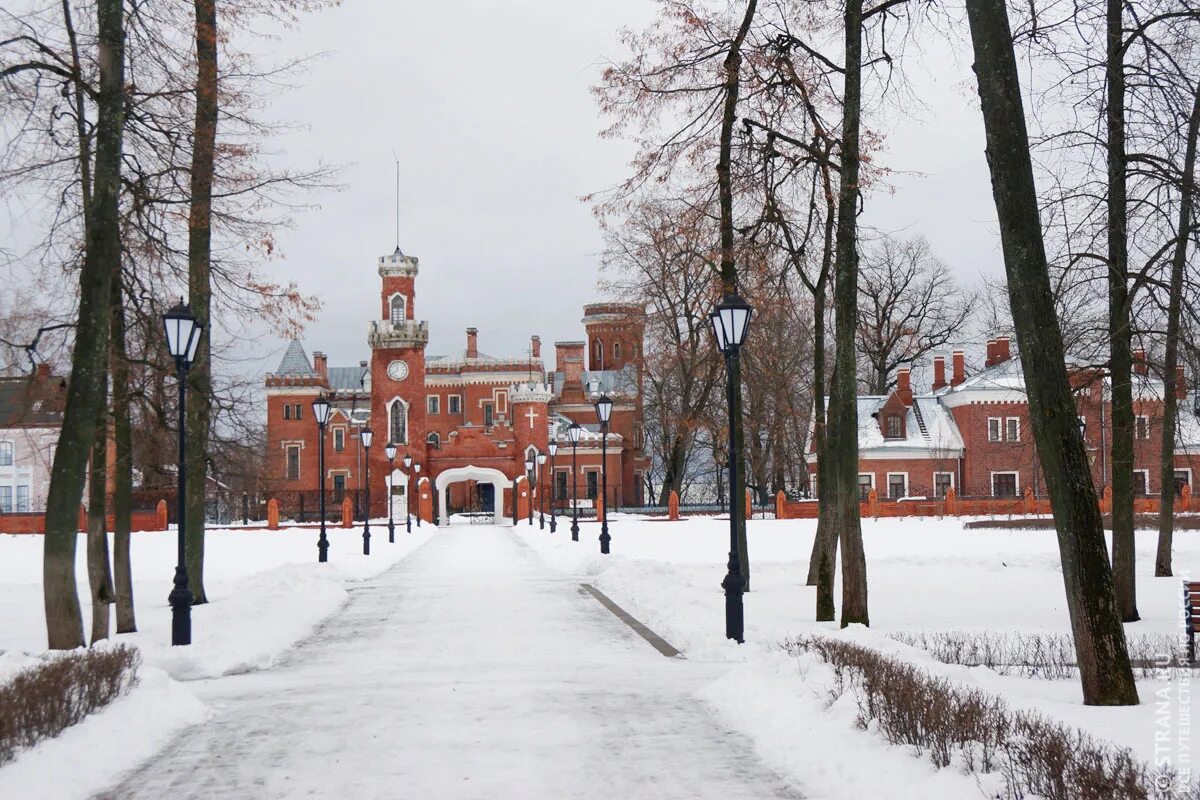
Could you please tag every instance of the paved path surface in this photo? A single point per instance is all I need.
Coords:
(469, 670)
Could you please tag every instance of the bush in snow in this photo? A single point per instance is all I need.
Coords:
(42, 701)
(1036, 757)
(1037, 655)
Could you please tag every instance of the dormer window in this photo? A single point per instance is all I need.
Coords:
(398, 309)
(893, 426)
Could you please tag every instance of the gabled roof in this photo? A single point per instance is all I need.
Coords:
(32, 401)
(295, 361)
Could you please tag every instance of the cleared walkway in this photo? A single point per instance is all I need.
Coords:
(470, 670)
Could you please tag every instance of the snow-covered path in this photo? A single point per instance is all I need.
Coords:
(469, 670)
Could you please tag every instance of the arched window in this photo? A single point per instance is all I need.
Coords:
(616, 351)
(599, 354)
(397, 309)
(398, 422)
(434, 441)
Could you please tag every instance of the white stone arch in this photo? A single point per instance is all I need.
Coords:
(495, 477)
(397, 309)
(392, 421)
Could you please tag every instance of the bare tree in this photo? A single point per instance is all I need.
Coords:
(1101, 652)
(909, 306)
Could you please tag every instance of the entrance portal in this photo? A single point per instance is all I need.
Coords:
(489, 489)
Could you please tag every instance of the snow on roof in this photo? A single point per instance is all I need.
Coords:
(927, 426)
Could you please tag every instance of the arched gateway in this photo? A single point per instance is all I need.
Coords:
(495, 477)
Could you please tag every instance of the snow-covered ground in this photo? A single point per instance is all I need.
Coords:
(266, 592)
(924, 574)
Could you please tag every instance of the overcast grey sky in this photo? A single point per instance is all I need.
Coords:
(487, 106)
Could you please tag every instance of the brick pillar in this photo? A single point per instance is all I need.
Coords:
(780, 508)
(1185, 499)
(273, 514)
(347, 512)
(749, 505)
(873, 503)
(161, 516)
(673, 506)
(951, 502)
(1106, 501)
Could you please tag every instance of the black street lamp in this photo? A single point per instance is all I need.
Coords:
(365, 437)
(573, 433)
(604, 407)
(183, 337)
(541, 478)
(730, 320)
(408, 493)
(553, 448)
(417, 472)
(390, 452)
(321, 410)
(529, 485)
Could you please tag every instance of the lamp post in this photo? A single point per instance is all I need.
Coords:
(390, 452)
(573, 433)
(730, 320)
(553, 448)
(183, 337)
(604, 407)
(529, 483)
(541, 472)
(408, 492)
(365, 436)
(321, 409)
(417, 472)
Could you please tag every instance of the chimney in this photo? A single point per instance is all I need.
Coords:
(472, 342)
(42, 373)
(1002, 353)
(939, 372)
(568, 358)
(959, 368)
(1180, 384)
(903, 384)
(535, 347)
(991, 353)
(1139, 363)
(321, 362)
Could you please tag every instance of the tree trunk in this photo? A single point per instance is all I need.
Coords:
(1100, 646)
(123, 464)
(199, 408)
(1166, 475)
(841, 445)
(1120, 337)
(64, 623)
(673, 468)
(99, 571)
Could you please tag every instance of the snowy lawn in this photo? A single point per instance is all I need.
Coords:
(266, 592)
(924, 574)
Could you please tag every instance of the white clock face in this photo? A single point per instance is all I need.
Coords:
(397, 370)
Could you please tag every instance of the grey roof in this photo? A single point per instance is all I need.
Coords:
(295, 361)
(31, 402)
(346, 379)
(612, 381)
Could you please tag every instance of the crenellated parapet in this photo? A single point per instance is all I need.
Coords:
(384, 334)
(530, 392)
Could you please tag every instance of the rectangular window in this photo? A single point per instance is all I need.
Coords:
(993, 429)
(287, 410)
(488, 417)
(22, 499)
(1012, 429)
(897, 485)
(454, 404)
(339, 439)
(6, 454)
(942, 483)
(1004, 484)
(5, 499)
(593, 484)
(296, 412)
(560, 485)
(866, 482)
(1142, 429)
(1183, 478)
(433, 404)
(1141, 482)
(339, 488)
(293, 462)
(894, 427)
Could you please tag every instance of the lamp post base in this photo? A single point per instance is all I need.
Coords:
(391, 532)
(180, 600)
(322, 548)
(541, 522)
(575, 530)
(604, 539)
(366, 541)
(734, 587)
(553, 525)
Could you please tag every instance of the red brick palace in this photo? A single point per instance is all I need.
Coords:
(971, 432)
(469, 420)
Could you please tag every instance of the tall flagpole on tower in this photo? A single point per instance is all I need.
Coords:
(397, 160)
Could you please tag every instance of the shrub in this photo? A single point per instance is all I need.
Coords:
(1038, 655)
(1034, 756)
(42, 701)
